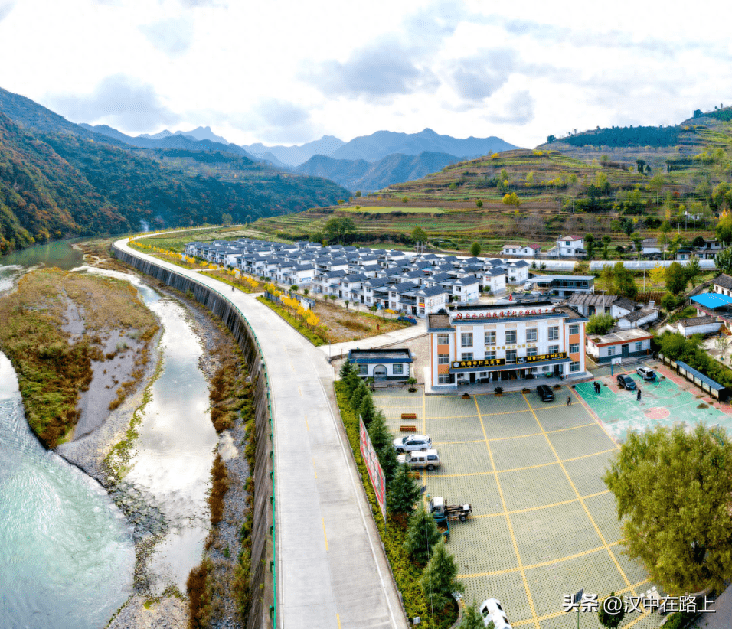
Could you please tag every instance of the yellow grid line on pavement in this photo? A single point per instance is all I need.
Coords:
(546, 563)
(514, 437)
(582, 503)
(540, 507)
(496, 472)
(508, 522)
(595, 417)
(561, 613)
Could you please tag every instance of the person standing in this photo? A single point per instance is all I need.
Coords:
(568, 403)
(638, 395)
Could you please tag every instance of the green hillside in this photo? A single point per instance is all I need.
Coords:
(576, 186)
(56, 185)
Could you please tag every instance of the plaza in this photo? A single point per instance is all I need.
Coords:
(544, 524)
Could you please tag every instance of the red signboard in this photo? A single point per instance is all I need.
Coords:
(376, 476)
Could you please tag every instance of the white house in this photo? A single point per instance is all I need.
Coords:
(722, 284)
(705, 325)
(517, 272)
(618, 345)
(570, 247)
(494, 280)
(390, 364)
(513, 249)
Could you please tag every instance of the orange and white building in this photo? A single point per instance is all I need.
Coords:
(490, 344)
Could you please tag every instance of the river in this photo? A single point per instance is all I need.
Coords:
(66, 552)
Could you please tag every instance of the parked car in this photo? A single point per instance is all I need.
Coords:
(626, 382)
(545, 393)
(646, 373)
(429, 460)
(413, 443)
(491, 611)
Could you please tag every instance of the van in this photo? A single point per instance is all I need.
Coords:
(429, 460)
(545, 393)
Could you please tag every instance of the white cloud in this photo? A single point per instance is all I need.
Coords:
(173, 36)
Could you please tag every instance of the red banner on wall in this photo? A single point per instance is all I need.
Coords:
(376, 476)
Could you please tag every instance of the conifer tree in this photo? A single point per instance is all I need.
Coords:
(472, 618)
(438, 580)
(403, 494)
(422, 536)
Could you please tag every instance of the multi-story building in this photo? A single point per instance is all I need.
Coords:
(478, 343)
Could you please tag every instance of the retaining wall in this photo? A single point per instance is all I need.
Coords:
(263, 579)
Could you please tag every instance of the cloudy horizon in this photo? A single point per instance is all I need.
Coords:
(289, 73)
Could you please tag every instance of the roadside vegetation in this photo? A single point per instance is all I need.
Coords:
(55, 366)
(423, 575)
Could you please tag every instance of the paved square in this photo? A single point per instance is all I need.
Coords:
(544, 524)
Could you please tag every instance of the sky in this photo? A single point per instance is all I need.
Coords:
(288, 71)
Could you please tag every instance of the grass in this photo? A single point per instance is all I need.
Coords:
(395, 209)
(53, 368)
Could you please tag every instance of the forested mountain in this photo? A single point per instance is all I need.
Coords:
(58, 179)
(369, 176)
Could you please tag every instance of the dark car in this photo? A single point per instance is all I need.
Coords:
(626, 382)
(545, 393)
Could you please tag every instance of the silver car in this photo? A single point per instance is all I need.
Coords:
(646, 373)
(429, 460)
(412, 443)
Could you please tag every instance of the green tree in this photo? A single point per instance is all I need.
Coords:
(226, 218)
(675, 278)
(422, 536)
(599, 324)
(419, 235)
(403, 494)
(337, 228)
(379, 433)
(610, 619)
(366, 408)
(472, 618)
(438, 580)
(479, 203)
(692, 270)
(590, 244)
(723, 261)
(475, 249)
(530, 178)
(511, 199)
(357, 193)
(673, 489)
(360, 391)
(388, 459)
(624, 281)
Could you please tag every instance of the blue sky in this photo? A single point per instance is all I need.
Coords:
(289, 72)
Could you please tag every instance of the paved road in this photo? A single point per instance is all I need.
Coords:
(332, 571)
(337, 350)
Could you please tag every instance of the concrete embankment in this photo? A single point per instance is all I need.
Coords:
(263, 550)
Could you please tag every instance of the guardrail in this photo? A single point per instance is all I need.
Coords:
(256, 361)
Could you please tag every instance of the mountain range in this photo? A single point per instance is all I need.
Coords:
(59, 179)
(379, 145)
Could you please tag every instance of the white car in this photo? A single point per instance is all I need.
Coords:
(429, 460)
(491, 610)
(413, 443)
(646, 373)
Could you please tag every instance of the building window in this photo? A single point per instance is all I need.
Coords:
(398, 368)
(553, 349)
(611, 350)
(466, 340)
(575, 366)
(443, 339)
(467, 356)
(532, 352)
(511, 356)
(490, 354)
(531, 334)
(490, 337)
(574, 348)
(444, 378)
(511, 337)
(638, 346)
(363, 369)
(553, 333)
(574, 329)
(443, 359)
